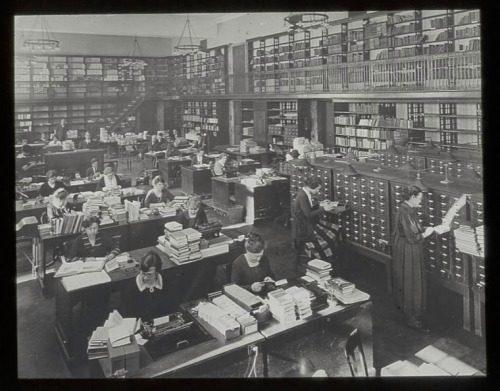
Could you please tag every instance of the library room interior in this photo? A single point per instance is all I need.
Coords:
(249, 195)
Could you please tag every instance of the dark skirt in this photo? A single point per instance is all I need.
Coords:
(323, 241)
(409, 277)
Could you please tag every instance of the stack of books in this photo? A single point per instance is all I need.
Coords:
(302, 300)
(98, 347)
(179, 201)
(193, 238)
(44, 229)
(132, 207)
(282, 306)
(341, 286)
(248, 324)
(68, 224)
(118, 213)
(105, 217)
(218, 319)
(319, 270)
(470, 240)
(93, 206)
(173, 226)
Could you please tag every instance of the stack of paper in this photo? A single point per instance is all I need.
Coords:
(341, 286)
(319, 270)
(179, 201)
(112, 200)
(218, 319)
(470, 240)
(446, 363)
(248, 323)
(118, 213)
(44, 229)
(168, 211)
(302, 300)
(173, 226)
(132, 207)
(85, 280)
(97, 347)
(282, 306)
(177, 247)
(121, 329)
(193, 238)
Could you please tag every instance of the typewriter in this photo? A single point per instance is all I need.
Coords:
(168, 329)
(210, 230)
(230, 172)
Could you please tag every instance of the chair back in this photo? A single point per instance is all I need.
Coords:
(353, 344)
(44, 218)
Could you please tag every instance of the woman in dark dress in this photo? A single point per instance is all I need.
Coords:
(194, 215)
(158, 193)
(51, 185)
(92, 243)
(251, 270)
(408, 260)
(144, 297)
(318, 236)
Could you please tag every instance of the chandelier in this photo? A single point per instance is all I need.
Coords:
(135, 62)
(187, 47)
(40, 38)
(297, 21)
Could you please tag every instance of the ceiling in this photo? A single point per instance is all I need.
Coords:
(145, 25)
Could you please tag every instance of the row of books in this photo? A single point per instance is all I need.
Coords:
(218, 318)
(68, 224)
(248, 323)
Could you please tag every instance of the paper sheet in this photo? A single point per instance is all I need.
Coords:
(84, 280)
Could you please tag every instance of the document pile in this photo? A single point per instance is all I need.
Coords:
(248, 324)
(181, 245)
(68, 224)
(282, 306)
(193, 238)
(179, 201)
(132, 207)
(302, 300)
(118, 213)
(45, 229)
(470, 240)
(93, 205)
(131, 191)
(318, 270)
(84, 280)
(98, 346)
(121, 329)
(345, 291)
(165, 211)
(218, 319)
(105, 216)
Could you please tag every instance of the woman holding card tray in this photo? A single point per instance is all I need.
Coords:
(409, 276)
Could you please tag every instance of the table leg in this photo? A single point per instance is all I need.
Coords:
(40, 265)
(477, 315)
(466, 310)
(265, 368)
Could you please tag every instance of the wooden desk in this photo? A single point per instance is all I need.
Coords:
(263, 157)
(189, 281)
(170, 169)
(178, 363)
(261, 201)
(222, 188)
(343, 318)
(248, 167)
(73, 161)
(196, 180)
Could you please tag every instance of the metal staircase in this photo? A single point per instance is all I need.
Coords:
(127, 110)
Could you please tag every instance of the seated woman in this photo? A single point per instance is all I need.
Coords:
(158, 193)
(194, 215)
(109, 180)
(51, 185)
(144, 296)
(92, 243)
(55, 141)
(220, 164)
(170, 150)
(251, 270)
(57, 204)
(318, 236)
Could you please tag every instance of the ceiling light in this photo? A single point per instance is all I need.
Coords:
(306, 20)
(41, 38)
(188, 47)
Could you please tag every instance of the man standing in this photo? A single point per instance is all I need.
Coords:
(61, 129)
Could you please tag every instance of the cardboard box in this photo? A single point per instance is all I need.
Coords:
(124, 357)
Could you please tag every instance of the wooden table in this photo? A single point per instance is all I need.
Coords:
(170, 169)
(342, 318)
(196, 180)
(222, 188)
(189, 281)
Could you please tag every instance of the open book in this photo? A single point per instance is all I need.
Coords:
(92, 265)
(448, 218)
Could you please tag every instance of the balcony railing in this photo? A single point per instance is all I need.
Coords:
(448, 71)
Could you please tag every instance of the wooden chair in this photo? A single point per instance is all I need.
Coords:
(353, 343)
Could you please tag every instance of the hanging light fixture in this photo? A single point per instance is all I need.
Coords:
(187, 47)
(40, 38)
(297, 21)
(134, 61)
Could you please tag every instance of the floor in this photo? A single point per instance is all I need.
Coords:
(39, 355)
